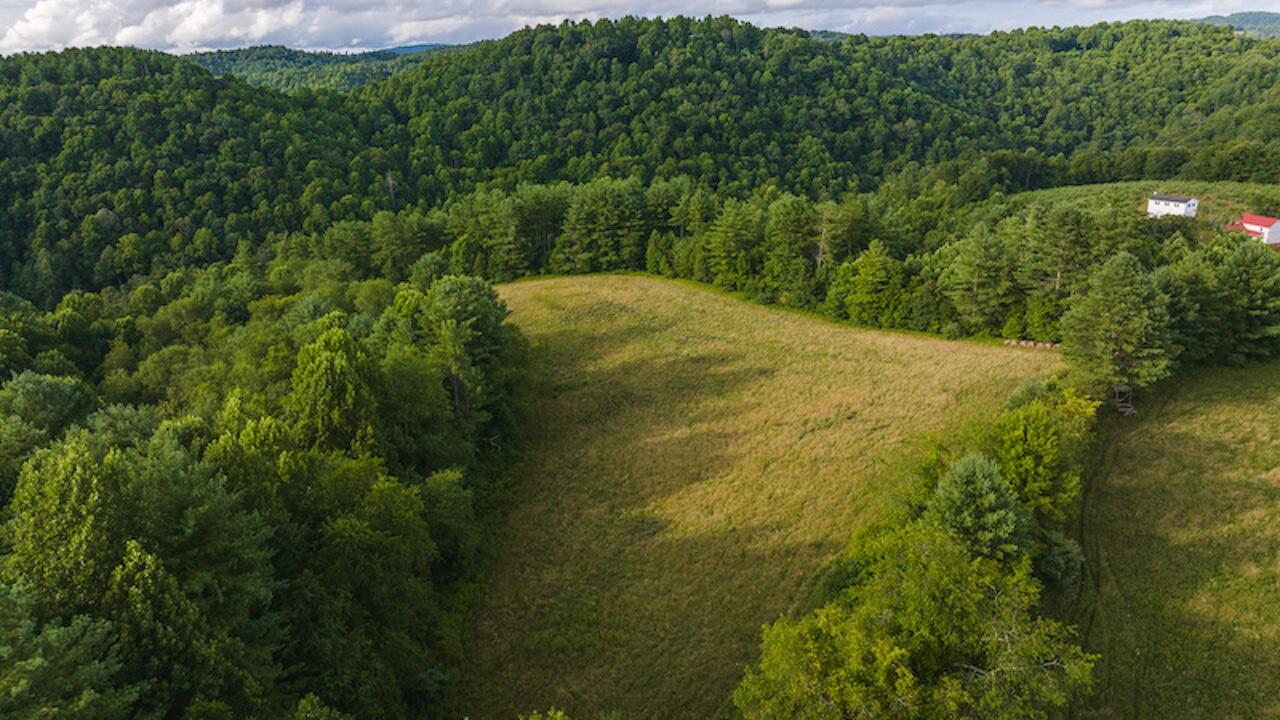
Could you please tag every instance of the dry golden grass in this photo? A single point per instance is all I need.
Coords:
(1182, 529)
(697, 458)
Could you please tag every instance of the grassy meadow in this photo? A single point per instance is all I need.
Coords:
(1182, 531)
(1220, 202)
(696, 460)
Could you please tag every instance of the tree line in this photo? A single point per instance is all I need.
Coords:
(1130, 298)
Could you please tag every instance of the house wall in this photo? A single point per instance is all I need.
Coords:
(1161, 208)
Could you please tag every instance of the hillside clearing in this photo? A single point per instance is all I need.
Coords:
(1220, 202)
(696, 459)
(1182, 530)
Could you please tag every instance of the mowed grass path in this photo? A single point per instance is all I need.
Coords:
(1182, 529)
(696, 460)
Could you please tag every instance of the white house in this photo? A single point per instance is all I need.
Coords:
(1266, 229)
(1160, 205)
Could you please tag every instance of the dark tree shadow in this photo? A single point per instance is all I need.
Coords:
(1181, 529)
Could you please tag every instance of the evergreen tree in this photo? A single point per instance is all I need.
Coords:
(13, 353)
(486, 242)
(163, 633)
(733, 245)
(974, 503)
(979, 281)
(604, 229)
(57, 669)
(1117, 331)
(540, 212)
(875, 290)
(1250, 279)
(848, 227)
(400, 239)
(49, 403)
(791, 252)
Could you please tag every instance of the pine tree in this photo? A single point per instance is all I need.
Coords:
(791, 252)
(975, 504)
(58, 669)
(979, 281)
(733, 245)
(875, 290)
(163, 633)
(604, 229)
(398, 240)
(485, 227)
(1250, 279)
(540, 212)
(1117, 332)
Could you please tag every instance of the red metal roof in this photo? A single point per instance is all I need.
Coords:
(1241, 228)
(1261, 220)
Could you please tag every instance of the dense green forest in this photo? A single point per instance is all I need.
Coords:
(114, 160)
(288, 70)
(234, 488)
(269, 316)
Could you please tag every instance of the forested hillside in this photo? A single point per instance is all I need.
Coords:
(290, 70)
(116, 160)
(258, 398)
(739, 106)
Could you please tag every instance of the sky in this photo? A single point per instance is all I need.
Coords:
(187, 25)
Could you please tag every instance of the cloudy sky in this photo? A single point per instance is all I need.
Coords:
(355, 24)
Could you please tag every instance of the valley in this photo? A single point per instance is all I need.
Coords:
(653, 367)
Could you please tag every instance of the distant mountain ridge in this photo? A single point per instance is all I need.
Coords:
(411, 49)
(287, 69)
(1253, 24)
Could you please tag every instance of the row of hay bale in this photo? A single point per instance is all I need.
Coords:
(1033, 344)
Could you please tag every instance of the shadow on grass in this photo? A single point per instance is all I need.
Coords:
(593, 609)
(1182, 597)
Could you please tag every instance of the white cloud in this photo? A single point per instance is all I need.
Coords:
(195, 24)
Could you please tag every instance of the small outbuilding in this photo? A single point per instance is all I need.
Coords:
(1266, 229)
(1163, 204)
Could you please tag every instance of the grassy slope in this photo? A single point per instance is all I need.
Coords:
(1182, 528)
(1220, 202)
(697, 458)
